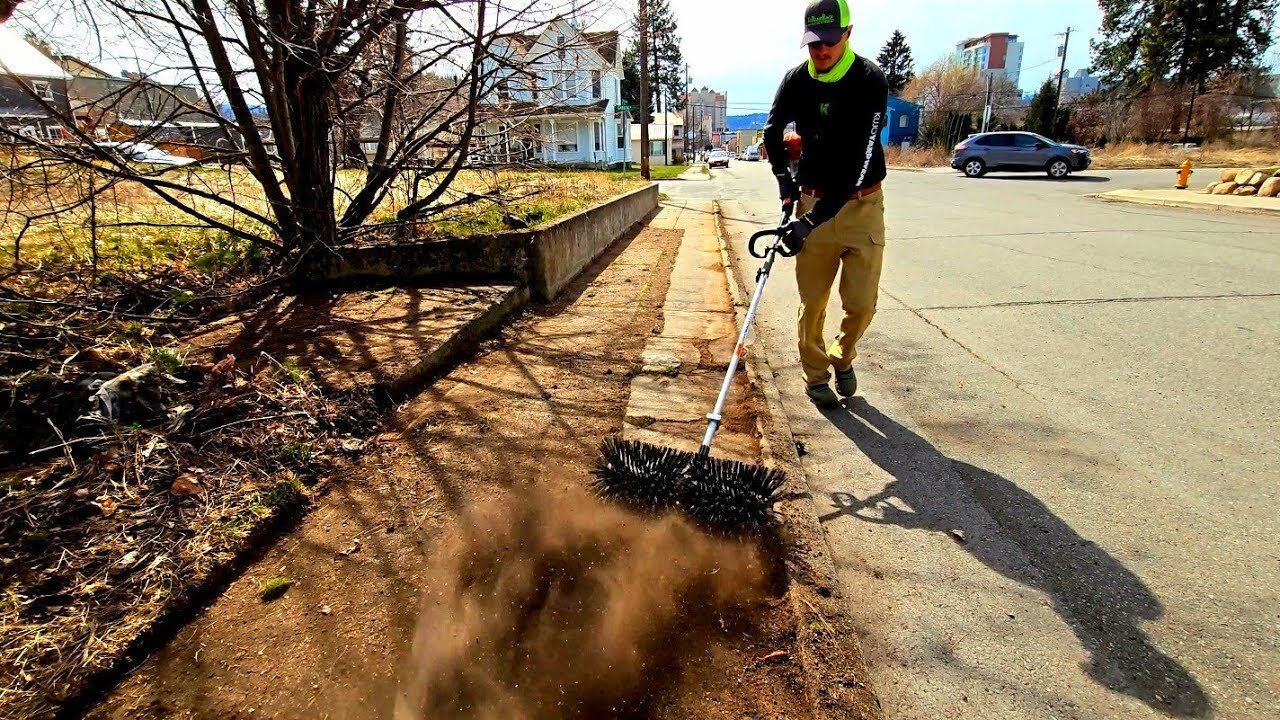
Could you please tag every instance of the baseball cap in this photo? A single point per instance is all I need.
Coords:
(825, 21)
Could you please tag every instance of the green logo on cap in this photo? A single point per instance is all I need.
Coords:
(820, 20)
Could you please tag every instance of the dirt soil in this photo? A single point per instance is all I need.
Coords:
(462, 569)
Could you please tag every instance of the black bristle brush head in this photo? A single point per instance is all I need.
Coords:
(725, 495)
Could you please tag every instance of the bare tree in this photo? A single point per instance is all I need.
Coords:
(296, 89)
(947, 86)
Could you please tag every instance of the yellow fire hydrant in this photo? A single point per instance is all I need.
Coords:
(1184, 175)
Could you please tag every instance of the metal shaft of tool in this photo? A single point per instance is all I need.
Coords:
(714, 417)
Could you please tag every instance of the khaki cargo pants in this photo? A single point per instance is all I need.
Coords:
(852, 243)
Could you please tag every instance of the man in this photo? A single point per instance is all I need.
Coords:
(837, 101)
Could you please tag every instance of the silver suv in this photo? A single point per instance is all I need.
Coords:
(1018, 152)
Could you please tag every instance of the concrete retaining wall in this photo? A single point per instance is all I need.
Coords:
(545, 259)
(562, 250)
(485, 257)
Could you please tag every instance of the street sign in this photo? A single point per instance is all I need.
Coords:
(623, 107)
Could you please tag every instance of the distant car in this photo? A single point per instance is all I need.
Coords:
(145, 153)
(1018, 152)
(718, 158)
(753, 154)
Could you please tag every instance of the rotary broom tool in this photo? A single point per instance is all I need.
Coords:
(725, 495)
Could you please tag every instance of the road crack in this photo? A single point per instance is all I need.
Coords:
(1020, 385)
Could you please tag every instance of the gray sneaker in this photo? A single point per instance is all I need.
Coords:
(846, 382)
(822, 395)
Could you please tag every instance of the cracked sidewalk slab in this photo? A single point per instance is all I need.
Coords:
(683, 364)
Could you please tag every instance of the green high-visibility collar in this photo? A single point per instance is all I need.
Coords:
(837, 71)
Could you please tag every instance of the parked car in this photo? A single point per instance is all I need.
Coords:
(718, 158)
(753, 154)
(140, 152)
(1018, 152)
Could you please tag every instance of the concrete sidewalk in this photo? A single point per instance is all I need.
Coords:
(1194, 199)
(684, 365)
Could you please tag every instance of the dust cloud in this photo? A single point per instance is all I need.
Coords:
(557, 605)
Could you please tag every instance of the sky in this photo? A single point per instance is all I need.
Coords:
(744, 46)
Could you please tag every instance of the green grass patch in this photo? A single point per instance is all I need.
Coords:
(271, 589)
(226, 253)
(292, 372)
(284, 494)
(297, 452)
(656, 172)
(167, 359)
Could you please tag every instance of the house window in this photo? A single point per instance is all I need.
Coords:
(622, 135)
(657, 147)
(567, 139)
(560, 45)
(597, 134)
(595, 83)
(534, 88)
(43, 90)
(504, 90)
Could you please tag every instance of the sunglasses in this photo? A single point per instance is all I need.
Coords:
(825, 44)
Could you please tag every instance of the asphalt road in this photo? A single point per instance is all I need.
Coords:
(1056, 496)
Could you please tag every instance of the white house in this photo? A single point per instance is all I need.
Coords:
(668, 125)
(555, 98)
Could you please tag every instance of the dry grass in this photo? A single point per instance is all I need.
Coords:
(1130, 155)
(898, 157)
(136, 228)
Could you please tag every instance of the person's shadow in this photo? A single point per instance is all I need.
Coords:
(1104, 603)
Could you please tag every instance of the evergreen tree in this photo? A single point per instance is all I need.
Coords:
(1043, 116)
(1183, 41)
(666, 61)
(896, 62)
(631, 77)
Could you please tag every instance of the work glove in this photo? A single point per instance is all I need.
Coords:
(788, 191)
(795, 234)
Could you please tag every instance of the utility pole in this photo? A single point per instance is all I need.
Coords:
(644, 89)
(1062, 71)
(684, 141)
(666, 130)
(986, 107)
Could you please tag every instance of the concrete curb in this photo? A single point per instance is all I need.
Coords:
(459, 346)
(1185, 204)
(838, 684)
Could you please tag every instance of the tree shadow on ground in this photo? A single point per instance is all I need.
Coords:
(1103, 602)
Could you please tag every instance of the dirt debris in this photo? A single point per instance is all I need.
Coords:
(558, 605)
